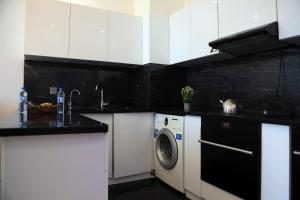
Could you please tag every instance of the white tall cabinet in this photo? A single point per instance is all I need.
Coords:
(275, 174)
(204, 26)
(88, 33)
(133, 133)
(288, 18)
(125, 38)
(180, 34)
(236, 15)
(47, 28)
(192, 157)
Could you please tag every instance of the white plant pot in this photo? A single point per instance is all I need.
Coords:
(187, 107)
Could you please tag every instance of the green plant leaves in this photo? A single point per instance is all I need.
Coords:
(187, 94)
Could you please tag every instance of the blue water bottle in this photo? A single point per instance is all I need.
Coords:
(23, 101)
(60, 101)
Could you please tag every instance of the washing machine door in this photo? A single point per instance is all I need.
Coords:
(166, 149)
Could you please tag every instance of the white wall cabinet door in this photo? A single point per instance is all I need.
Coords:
(159, 39)
(125, 38)
(132, 143)
(204, 26)
(192, 155)
(240, 15)
(107, 119)
(180, 42)
(88, 33)
(275, 175)
(47, 28)
(288, 18)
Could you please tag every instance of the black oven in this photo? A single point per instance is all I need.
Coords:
(295, 163)
(231, 155)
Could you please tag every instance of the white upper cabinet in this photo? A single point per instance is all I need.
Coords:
(204, 26)
(240, 15)
(47, 28)
(159, 39)
(180, 34)
(288, 18)
(88, 33)
(125, 38)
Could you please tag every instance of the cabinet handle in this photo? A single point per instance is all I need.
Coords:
(296, 153)
(227, 147)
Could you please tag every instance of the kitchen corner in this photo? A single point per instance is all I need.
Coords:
(149, 100)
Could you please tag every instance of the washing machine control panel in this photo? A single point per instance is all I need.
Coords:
(169, 121)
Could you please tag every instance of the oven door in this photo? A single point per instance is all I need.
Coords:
(230, 156)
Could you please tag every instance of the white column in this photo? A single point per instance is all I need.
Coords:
(275, 177)
(12, 29)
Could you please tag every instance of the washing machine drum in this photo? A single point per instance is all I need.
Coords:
(166, 149)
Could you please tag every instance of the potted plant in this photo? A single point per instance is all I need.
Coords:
(187, 95)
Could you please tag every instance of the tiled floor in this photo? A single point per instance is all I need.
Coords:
(150, 189)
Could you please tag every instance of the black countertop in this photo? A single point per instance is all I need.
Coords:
(74, 123)
(279, 118)
(70, 123)
(272, 118)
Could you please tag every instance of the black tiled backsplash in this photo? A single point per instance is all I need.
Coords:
(117, 85)
(165, 84)
(149, 86)
(252, 80)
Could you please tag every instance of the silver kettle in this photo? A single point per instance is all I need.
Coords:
(229, 106)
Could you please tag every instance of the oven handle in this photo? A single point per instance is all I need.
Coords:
(227, 147)
(296, 153)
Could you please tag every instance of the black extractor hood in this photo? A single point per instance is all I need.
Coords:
(255, 40)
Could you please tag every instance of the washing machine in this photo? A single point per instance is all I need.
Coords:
(168, 150)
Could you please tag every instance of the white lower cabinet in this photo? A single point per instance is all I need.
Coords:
(275, 177)
(107, 119)
(192, 154)
(132, 143)
(129, 144)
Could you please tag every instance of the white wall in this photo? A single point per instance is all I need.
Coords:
(12, 28)
(141, 7)
(167, 7)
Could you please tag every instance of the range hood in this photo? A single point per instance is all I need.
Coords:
(255, 40)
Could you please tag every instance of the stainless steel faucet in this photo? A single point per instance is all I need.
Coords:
(102, 103)
(70, 98)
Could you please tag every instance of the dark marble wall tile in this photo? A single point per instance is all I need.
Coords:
(252, 80)
(165, 85)
(150, 86)
(117, 84)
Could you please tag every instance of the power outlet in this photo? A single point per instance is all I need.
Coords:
(53, 90)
